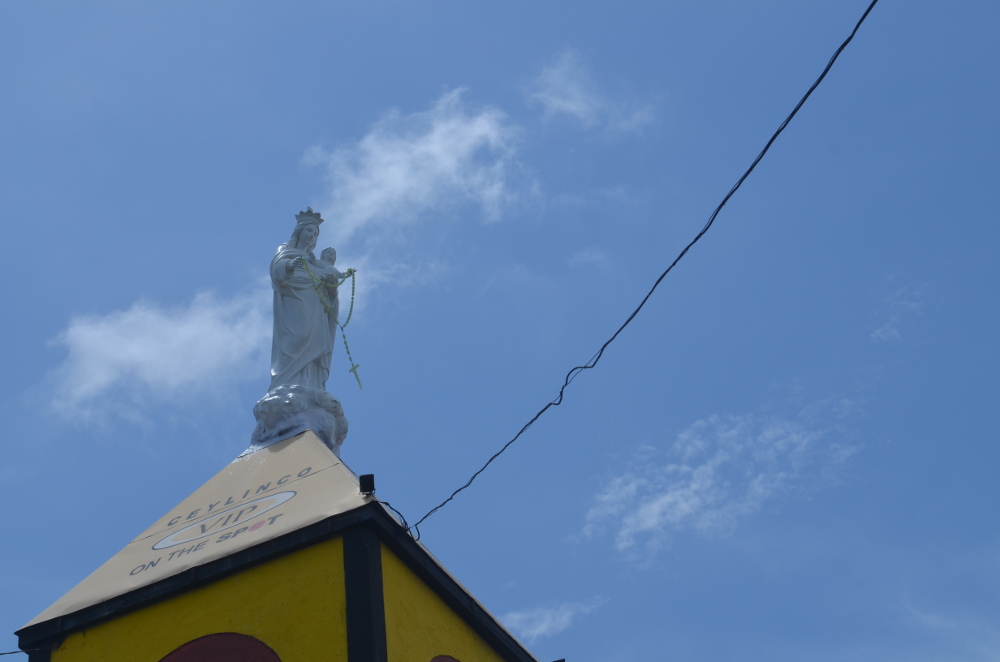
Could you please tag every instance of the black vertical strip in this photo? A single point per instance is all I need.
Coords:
(43, 655)
(365, 605)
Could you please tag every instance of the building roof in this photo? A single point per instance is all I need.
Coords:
(261, 506)
(256, 498)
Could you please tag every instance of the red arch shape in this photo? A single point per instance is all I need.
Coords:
(223, 647)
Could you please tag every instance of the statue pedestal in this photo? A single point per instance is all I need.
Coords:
(290, 410)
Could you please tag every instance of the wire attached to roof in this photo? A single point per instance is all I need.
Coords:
(572, 374)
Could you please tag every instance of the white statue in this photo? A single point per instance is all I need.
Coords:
(306, 311)
(304, 331)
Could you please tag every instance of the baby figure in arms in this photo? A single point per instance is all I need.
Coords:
(328, 258)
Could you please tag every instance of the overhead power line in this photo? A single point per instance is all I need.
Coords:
(572, 374)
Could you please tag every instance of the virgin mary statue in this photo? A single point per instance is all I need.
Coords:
(305, 322)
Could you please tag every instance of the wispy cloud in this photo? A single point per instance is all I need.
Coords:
(565, 87)
(964, 636)
(150, 352)
(719, 471)
(515, 278)
(901, 303)
(591, 257)
(534, 624)
(410, 165)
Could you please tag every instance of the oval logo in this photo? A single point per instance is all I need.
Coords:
(225, 519)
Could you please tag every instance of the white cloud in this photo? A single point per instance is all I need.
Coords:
(376, 270)
(967, 636)
(533, 624)
(410, 165)
(515, 278)
(152, 352)
(591, 257)
(718, 472)
(900, 303)
(565, 87)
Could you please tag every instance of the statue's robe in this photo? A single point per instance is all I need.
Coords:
(303, 337)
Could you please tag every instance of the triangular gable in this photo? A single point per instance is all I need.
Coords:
(256, 498)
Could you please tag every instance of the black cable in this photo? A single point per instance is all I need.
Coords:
(571, 375)
(402, 519)
(30, 650)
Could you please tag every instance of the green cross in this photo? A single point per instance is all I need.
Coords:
(354, 369)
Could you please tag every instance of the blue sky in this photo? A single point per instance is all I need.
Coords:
(789, 454)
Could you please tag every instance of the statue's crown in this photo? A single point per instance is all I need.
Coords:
(308, 216)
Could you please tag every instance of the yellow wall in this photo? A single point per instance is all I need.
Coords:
(295, 604)
(419, 625)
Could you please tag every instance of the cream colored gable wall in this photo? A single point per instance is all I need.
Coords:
(256, 498)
